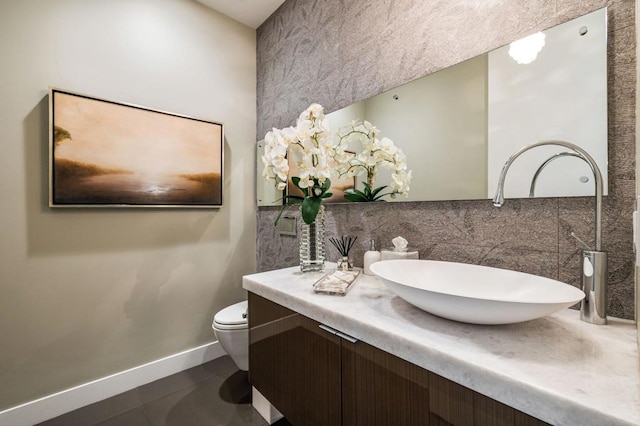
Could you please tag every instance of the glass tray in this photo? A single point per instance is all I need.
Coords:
(336, 282)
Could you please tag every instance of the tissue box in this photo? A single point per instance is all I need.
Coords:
(390, 254)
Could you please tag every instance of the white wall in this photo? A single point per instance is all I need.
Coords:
(344, 116)
(86, 293)
(542, 101)
(440, 124)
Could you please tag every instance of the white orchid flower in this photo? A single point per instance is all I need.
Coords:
(375, 153)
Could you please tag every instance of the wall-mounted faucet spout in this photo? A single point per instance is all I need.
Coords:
(498, 199)
(532, 189)
(594, 262)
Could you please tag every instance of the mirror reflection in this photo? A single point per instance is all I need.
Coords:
(459, 126)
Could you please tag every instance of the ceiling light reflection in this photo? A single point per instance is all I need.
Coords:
(525, 50)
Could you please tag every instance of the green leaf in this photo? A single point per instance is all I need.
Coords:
(377, 190)
(354, 195)
(354, 198)
(293, 199)
(296, 182)
(326, 185)
(310, 209)
(358, 196)
(288, 200)
(354, 191)
(327, 195)
(323, 188)
(275, 222)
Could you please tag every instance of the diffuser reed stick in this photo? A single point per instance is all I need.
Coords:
(344, 244)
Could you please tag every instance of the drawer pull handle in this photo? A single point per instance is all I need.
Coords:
(346, 337)
(328, 329)
(338, 333)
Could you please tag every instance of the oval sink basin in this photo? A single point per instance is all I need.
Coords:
(475, 294)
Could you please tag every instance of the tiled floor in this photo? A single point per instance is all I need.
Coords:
(211, 394)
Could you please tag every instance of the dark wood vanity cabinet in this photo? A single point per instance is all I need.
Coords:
(294, 363)
(316, 377)
(382, 389)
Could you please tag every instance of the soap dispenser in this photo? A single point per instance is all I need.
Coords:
(371, 256)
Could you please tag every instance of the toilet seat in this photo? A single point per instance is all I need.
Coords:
(232, 317)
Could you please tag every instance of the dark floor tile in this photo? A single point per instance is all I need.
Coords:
(98, 412)
(208, 403)
(214, 393)
(236, 389)
(219, 367)
(135, 417)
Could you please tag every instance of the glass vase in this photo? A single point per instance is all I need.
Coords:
(312, 251)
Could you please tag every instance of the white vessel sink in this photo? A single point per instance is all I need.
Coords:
(475, 294)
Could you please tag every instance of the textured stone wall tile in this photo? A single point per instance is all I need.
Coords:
(530, 261)
(621, 60)
(273, 250)
(621, 13)
(408, 38)
(622, 165)
(618, 226)
(518, 224)
(620, 280)
(578, 215)
(337, 52)
(570, 9)
(620, 290)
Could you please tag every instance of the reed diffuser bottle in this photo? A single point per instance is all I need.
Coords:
(343, 245)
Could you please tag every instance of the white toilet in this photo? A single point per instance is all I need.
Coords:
(231, 328)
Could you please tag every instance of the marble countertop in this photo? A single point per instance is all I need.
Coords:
(559, 369)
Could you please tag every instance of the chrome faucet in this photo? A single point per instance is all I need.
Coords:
(532, 189)
(593, 308)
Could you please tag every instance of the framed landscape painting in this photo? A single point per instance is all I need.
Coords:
(108, 154)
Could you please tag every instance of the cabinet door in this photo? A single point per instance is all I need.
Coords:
(458, 405)
(382, 389)
(294, 363)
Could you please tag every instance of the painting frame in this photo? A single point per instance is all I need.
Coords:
(107, 154)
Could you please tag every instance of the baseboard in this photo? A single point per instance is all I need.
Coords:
(71, 399)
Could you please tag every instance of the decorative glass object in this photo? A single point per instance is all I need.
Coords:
(343, 245)
(336, 282)
(312, 250)
(344, 264)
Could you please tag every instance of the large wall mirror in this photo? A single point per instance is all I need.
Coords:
(459, 125)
